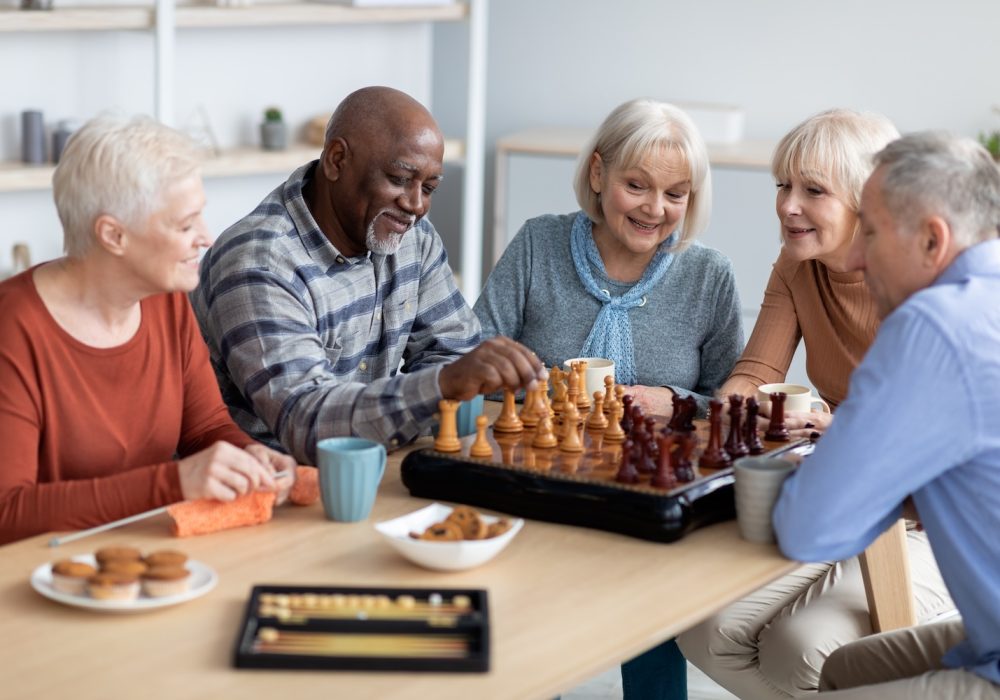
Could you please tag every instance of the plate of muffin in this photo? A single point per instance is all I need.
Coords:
(123, 579)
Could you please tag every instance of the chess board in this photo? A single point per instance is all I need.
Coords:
(576, 489)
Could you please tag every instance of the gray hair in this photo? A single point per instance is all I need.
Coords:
(834, 149)
(635, 130)
(935, 173)
(117, 167)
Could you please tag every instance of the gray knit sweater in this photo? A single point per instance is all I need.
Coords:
(687, 336)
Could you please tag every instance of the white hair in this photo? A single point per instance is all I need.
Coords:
(636, 130)
(117, 167)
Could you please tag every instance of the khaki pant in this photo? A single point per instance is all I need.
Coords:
(903, 665)
(773, 643)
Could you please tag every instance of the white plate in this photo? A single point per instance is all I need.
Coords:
(443, 556)
(203, 579)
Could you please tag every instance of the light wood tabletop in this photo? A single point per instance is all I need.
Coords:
(565, 603)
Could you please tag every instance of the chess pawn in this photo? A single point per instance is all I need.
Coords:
(529, 417)
(597, 420)
(651, 432)
(544, 434)
(481, 447)
(736, 447)
(571, 436)
(609, 394)
(627, 413)
(750, 435)
(680, 458)
(776, 430)
(714, 457)
(447, 437)
(614, 432)
(507, 421)
(626, 471)
(582, 399)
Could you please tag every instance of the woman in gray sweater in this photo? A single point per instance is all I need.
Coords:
(623, 278)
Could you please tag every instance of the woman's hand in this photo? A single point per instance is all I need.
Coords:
(224, 472)
(282, 467)
(654, 400)
(800, 424)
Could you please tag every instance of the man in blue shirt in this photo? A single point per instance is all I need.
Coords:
(331, 309)
(921, 421)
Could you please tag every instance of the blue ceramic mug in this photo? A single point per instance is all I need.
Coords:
(350, 470)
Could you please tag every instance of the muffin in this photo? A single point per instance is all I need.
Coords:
(132, 567)
(165, 557)
(106, 554)
(113, 586)
(70, 576)
(160, 581)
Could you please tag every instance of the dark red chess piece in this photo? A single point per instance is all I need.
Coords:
(626, 471)
(664, 477)
(627, 413)
(680, 458)
(735, 446)
(689, 409)
(776, 430)
(642, 461)
(654, 449)
(750, 435)
(675, 415)
(714, 457)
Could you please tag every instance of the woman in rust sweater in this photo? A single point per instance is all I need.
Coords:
(105, 378)
(773, 643)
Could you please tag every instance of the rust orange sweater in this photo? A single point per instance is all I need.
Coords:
(89, 435)
(832, 311)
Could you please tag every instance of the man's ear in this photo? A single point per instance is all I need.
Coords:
(110, 234)
(935, 242)
(336, 154)
(596, 169)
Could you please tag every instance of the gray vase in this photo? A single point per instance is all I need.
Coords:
(273, 136)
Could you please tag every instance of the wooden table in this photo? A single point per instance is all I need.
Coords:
(566, 603)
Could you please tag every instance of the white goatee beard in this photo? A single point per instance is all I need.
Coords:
(389, 245)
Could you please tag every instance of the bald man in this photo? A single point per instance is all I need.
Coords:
(331, 309)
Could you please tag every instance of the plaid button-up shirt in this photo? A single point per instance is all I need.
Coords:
(308, 343)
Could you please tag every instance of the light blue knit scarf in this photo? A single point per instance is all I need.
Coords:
(611, 336)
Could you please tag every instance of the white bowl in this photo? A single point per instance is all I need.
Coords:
(443, 556)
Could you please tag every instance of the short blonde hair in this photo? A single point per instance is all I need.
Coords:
(631, 133)
(835, 149)
(118, 167)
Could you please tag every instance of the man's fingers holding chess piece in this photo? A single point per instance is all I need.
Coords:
(498, 363)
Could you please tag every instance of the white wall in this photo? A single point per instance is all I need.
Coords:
(569, 62)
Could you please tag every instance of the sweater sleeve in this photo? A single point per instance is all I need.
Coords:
(206, 419)
(501, 304)
(28, 507)
(772, 344)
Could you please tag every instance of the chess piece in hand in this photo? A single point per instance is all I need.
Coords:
(497, 363)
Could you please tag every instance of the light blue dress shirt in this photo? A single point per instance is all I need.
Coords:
(922, 418)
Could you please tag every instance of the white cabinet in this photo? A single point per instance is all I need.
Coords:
(230, 62)
(534, 176)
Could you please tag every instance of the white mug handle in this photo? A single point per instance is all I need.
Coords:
(824, 406)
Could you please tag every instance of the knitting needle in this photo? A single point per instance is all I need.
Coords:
(56, 541)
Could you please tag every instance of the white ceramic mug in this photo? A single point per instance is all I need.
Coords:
(597, 369)
(797, 397)
(758, 485)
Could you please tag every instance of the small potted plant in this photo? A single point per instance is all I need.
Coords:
(273, 135)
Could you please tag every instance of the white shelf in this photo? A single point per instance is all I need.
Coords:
(111, 18)
(18, 177)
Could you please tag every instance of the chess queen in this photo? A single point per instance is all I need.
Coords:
(624, 279)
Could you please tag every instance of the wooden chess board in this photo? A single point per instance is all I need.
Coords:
(576, 489)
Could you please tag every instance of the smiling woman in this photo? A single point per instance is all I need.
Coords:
(105, 376)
